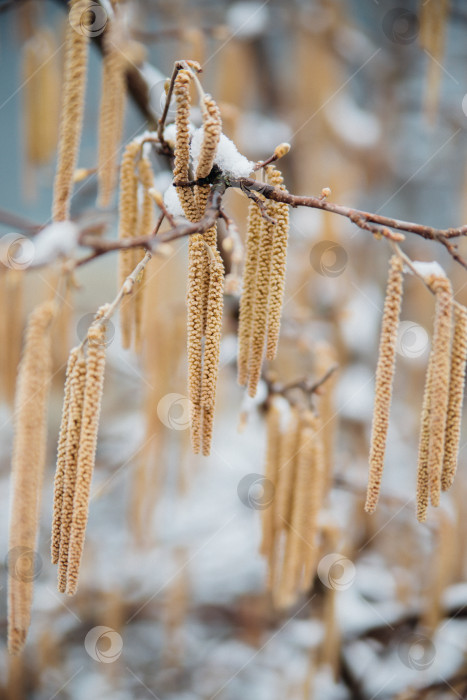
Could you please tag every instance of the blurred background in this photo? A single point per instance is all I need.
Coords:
(172, 601)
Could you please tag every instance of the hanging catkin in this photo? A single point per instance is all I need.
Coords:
(245, 326)
(260, 317)
(61, 461)
(75, 410)
(384, 380)
(456, 395)
(182, 144)
(128, 213)
(212, 130)
(41, 82)
(111, 116)
(11, 317)
(145, 226)
(289, 446)
(278, 266)
(273, 441)
(433, 18)
(212, 346)
(28, 462)
(423, 485)
(301, 534)
(94, 384)
(195, 335)
(439, 384)
(71, 118)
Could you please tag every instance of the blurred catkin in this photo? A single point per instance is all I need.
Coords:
(212, 346)
(11, 325)
(288, 451)
(145, 227)
(273, 440)
(41, 81)
(441, 361)
(71, 118)
(94, 383)
(278, 266)
(28, 463)
(301, 534)
(75, 411)
(111, 116)
(384, 380)
(245, 327)
(456, 395)
(128, 215)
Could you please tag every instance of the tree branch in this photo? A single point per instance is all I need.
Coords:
(363, 219)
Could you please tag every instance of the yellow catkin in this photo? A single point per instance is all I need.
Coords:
(212, 347)
(71, 118)
(441, 361)
(145, 227)
(78, 379)
(128, 213)
(94, 384)
(384, 381)
(433, 19)
(423, 485)
(12, 324)
(111, 117)
(456, 395)
(273, 442)
(245, 324)
(195, 335)
(261, 298)
(182, 144)
(278, 266)
(289, 446)
(316, 498)
(41, 94)
(61, 461)
(28, 463)
(300, 536)
(212, 129)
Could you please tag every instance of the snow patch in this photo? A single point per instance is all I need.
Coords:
(428, 269)
(57, 239)
(228, 158)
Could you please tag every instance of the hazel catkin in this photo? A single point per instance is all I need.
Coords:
(384, 380)
(456, 395)
(94, 384)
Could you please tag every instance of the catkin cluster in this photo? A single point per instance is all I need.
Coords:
(76, 454)
(71, 118)
(263, 286)
(440, 421)
(442, 399)
(296, 468)
(134, 219)
(28, 462)
(205, 293)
